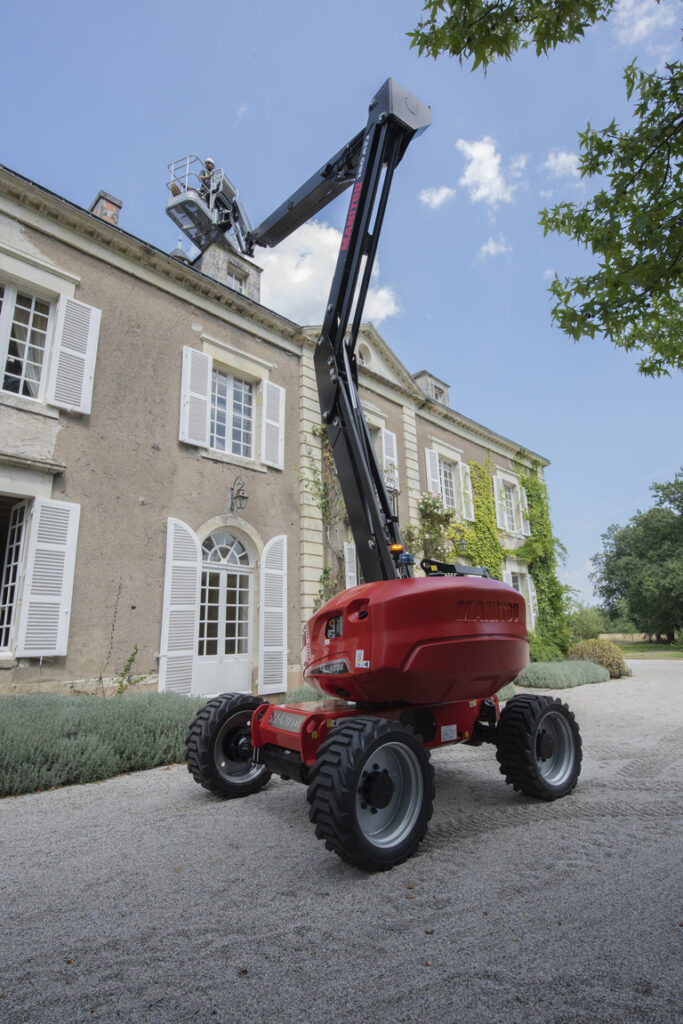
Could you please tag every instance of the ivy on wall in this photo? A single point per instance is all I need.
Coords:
(541, 552)
(439, 533)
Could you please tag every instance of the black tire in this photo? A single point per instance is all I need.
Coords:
(538, 746)
(218, 747)
(370, 793)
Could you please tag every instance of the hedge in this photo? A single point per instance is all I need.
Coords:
(48, 740)
(560, 675)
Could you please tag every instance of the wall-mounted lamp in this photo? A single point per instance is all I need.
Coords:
(238, 495)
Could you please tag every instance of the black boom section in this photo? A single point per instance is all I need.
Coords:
(395, 118)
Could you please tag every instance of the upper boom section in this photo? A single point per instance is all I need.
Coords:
(205, 206)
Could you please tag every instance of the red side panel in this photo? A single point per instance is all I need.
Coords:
(418, 641)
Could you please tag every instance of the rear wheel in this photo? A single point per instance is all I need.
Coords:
(538, 746)
(218, 746)
(370, 793)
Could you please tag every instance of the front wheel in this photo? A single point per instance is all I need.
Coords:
(370, 793)
(538, 746)
(218, 747)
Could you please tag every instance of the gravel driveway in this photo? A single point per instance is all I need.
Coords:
(143, 899)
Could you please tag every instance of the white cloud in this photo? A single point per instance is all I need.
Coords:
(493, 247)
(549, 274)
(636, 19)
(518, 165)
(483, 176)
(436, 197)
(562, 164)
(297, 275)
(241, 111)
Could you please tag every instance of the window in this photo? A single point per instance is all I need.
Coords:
(12, 525)
(233, 280)
(220, 410)
(231, 414)
(47, 349)
(26, 318)
(524, 585)
(512, 510)
(451, 480)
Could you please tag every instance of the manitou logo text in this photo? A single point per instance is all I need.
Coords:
(479, 611)
(353, 207)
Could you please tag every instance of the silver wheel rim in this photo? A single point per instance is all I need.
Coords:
(389, 825)
(555, 733)
(229, 766)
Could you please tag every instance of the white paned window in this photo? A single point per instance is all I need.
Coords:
(219, 411)
(232, 404)
(234, 281)
(36, 334)
(273, 617)
(524, 585)
(450, 480)
(509, 517)
(512, 511)
(447, 480)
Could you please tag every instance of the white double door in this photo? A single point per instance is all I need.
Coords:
(225, 635)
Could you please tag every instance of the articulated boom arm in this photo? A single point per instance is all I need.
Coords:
(366, 163)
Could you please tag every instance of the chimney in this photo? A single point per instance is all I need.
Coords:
(106, 207)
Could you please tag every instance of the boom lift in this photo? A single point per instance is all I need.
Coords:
(407, 664)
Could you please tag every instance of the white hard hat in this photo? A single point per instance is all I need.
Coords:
(210, 160)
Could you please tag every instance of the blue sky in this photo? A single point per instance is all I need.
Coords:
(105, 96)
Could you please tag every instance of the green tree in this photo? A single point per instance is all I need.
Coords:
(586, 622)
(633, 225)
(641, 564)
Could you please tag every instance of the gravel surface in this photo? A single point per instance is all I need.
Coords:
(147, 901)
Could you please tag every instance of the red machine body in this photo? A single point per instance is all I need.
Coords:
(417, 641)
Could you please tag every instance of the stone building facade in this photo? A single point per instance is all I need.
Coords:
(156, 437)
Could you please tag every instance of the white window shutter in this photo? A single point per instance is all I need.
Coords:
(533, 603)
(273, 425)
(466, 491)
(507, 577)
(48, 582)
(195, 397)
(350, 565)
(272, 674)
(499, 502)
(72, 368)
(180, 609)
(390, 459)
(433, 478)
(524, 507)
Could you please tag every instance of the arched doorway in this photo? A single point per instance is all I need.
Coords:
(225, 629)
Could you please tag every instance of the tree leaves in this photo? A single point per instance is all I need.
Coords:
(633, 225)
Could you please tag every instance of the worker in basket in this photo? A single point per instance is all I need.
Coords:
(206, 178)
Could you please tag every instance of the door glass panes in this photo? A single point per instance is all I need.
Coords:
(27, 343)
(225, 597)
(208, 613)
(236, 614)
